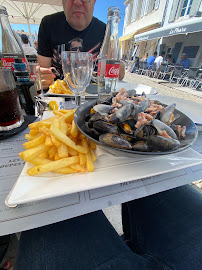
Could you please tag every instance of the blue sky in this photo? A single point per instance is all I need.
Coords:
(100, 11)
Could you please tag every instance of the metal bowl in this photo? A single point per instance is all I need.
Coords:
(183, 120)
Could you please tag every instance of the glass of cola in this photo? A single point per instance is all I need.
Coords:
(10, 110)
(77, 69)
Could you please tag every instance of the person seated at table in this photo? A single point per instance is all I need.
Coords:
(76, 21)
(159, 60)
(185, 62)
(161, 232)
(28, 50)
(169, 59)
(151, 60)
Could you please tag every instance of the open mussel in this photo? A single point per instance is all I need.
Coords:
(160, 126)
(103, 109)
(167, 113)
(114, 141)
(92, 118)
(106, 99)
(122, 114)
(105, 127)
(160, 143)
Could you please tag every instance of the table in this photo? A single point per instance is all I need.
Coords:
(40, 213)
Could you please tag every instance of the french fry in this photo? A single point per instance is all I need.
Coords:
(63, 126)
(48, 141)
(57, 113)
(66, 170)
(66, 140)
(74, 130)
(31, 153)
(29, 137)
(82, 159)
(93, 156)
(40, 161)
(44, 155)
(89, 162)
(55, 141)
(52, 151)
(77, 167)
(63, 151)
(56, 157)
(53, 165)
(92, 144)
(72, 152)
(35, 142)
(34, 132)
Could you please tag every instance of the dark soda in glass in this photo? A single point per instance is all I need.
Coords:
(10, 111)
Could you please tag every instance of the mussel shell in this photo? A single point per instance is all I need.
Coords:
(160, 143)
(95, 117)
(106, 99)
(141, 146)
(103, 109)
(105, 127)
(160, 126)
(114, 141)
(167, 112)
(122, 114)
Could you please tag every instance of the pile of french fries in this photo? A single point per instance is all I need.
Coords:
(56, 145)
(60, 87)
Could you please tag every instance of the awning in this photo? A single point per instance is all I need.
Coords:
(121, 39)
(185, 27)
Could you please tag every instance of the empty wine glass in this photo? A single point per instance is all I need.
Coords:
(77, 69)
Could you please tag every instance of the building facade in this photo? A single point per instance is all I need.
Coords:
(174, 26)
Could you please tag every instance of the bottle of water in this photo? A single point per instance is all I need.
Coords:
(10, 48)
(109, 57)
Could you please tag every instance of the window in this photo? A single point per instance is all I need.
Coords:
(186, 6)
(191, 51)
(134, 10)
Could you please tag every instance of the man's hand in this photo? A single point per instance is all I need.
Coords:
(47, 77)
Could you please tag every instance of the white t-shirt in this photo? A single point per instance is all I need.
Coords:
(28, 50)
(158, 61)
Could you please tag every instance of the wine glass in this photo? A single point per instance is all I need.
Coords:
(77, 69)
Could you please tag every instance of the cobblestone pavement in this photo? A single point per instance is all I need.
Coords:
(168, 90)
(165, 88)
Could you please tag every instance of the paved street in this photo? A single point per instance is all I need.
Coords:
(165, 88)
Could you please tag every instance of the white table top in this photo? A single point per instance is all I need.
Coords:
(40, 213)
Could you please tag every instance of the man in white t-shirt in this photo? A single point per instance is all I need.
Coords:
(159, 60)
(28, 50)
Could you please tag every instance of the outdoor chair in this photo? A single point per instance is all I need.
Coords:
(152, 71)
(162, 73)
(144, 71)
(177, 74)
(140, 67)
(190, 79)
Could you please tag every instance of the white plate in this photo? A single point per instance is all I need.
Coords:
(110, 169)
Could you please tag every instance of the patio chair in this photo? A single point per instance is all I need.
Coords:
(144, 71)
(190, 79)
(163, 69)
(152, 71)
(177, 74)
(140, 67)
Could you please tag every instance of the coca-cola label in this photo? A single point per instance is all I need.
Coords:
(111, 69)
(7, 61)
(32, 77)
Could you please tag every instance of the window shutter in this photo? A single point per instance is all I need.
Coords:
(146, 7)
(174, 9)
(194, 7)
(134, 10)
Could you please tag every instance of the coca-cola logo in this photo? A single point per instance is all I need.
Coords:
(7, 64)
(114, 71)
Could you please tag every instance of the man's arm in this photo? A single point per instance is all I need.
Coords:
(122, 71)
(47, 76)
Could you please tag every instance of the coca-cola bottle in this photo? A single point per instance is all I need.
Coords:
(109, 57)
(10, 48)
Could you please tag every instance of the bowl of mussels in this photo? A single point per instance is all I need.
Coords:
(135, 124)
